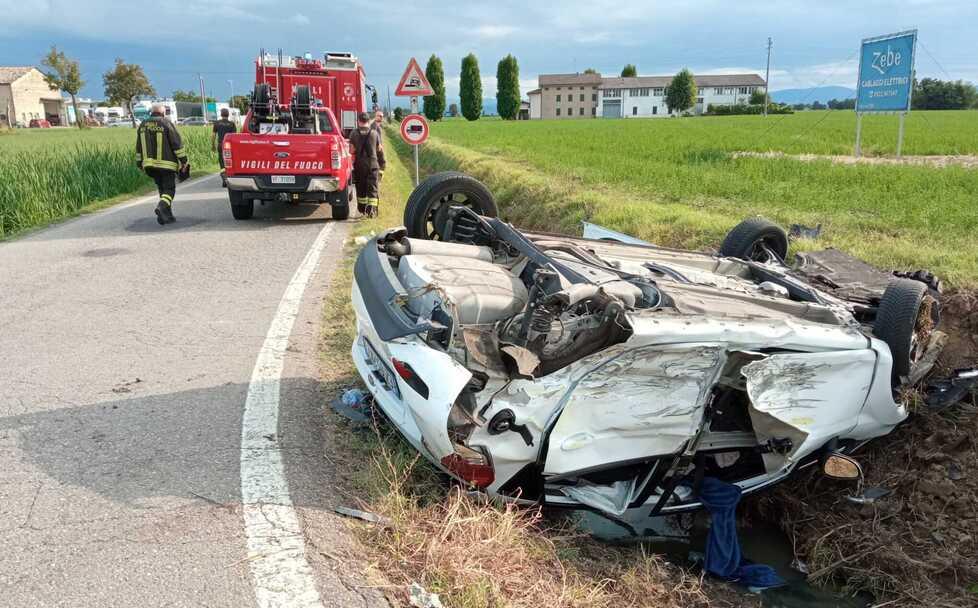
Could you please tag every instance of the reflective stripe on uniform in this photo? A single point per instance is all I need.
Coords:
(167, 198)
(142, 141)
(160, 164)
(373, 202)
(159, 145)
(180, 153)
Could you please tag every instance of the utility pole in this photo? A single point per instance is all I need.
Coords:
(390, 110)
(767, 77)
(203, 100)
(231, 86)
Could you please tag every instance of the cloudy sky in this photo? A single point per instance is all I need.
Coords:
(815, 42)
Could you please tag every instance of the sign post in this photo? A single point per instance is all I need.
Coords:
(886, 73)
(414, 84)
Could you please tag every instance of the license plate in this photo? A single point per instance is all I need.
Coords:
(380, 370)
(283, 179)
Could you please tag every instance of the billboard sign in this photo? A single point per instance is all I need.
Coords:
(886, 73)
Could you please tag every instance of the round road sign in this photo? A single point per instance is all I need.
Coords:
(414, 129)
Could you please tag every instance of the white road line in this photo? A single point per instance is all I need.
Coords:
(276, 546)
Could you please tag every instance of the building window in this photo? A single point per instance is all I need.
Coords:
(657, 91)
(718, 91)
(699, 100)
(655, 110)
(633, 92)
(546, 88)
(558, 99)
(558, 111)
(582, 88)
(634, 110)
(581, 113)
(582, 96)
(594, 97)
(612, 93)
(594, 111)
(743, 90)
(644, 92)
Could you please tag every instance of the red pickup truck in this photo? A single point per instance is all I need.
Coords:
(292, 147)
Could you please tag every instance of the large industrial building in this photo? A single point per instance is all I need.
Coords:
(592, 95)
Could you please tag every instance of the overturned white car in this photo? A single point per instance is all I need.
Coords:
(611, 376)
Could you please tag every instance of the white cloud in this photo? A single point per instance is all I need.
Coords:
(491, 32)
(300, 19)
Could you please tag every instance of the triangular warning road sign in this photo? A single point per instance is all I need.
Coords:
(413, 82)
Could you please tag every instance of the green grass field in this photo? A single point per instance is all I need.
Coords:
(49, 174)
(675, 181)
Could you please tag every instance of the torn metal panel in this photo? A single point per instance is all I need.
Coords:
(644, 402)
(808, 397)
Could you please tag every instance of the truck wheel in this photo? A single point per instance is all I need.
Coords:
(425, 214)
(341, 212)
(241, 208)
(755, 239)
(905, 320)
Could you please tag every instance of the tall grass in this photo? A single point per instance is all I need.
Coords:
(676, 181)
(45, 176)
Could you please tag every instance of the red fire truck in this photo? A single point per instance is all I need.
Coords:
(293, 145)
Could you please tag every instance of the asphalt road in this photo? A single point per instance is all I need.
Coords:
(127, 351)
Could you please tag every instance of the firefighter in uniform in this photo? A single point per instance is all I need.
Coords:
(366, 165)
(160, 153)
(222, 127)
(378, 126)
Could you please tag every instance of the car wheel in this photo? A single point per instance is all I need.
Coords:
(241, 208)
(905, 320)
(756, 239)
(426, 212)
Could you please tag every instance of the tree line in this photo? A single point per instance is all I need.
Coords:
(470, 90)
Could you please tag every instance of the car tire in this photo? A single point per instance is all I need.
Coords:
(445, 188)
(241, 208)
(899, 323)
(744, 240)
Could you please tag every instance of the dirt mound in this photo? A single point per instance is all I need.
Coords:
(918, 546)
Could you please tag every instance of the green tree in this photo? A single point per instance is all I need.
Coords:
(453, 110)
(629, 71)
(757, 98)
(191, 96)
(434, 105)
(681, 92)
(399, 114)
(64, 74)
(508, 88)
(124, 83)
(590, 71)
(470, 88)
(241, 102)
(935, 94)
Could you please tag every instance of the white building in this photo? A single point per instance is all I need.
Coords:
(535, 104)
(644, 96)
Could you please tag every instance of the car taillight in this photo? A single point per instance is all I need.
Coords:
(470, 465)
(407, 373)
(335, 159)
(227, 152)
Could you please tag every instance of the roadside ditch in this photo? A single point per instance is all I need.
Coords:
(919, 545)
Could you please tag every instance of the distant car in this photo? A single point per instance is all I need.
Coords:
(119, 122)
(39, 123)
(193, 121)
